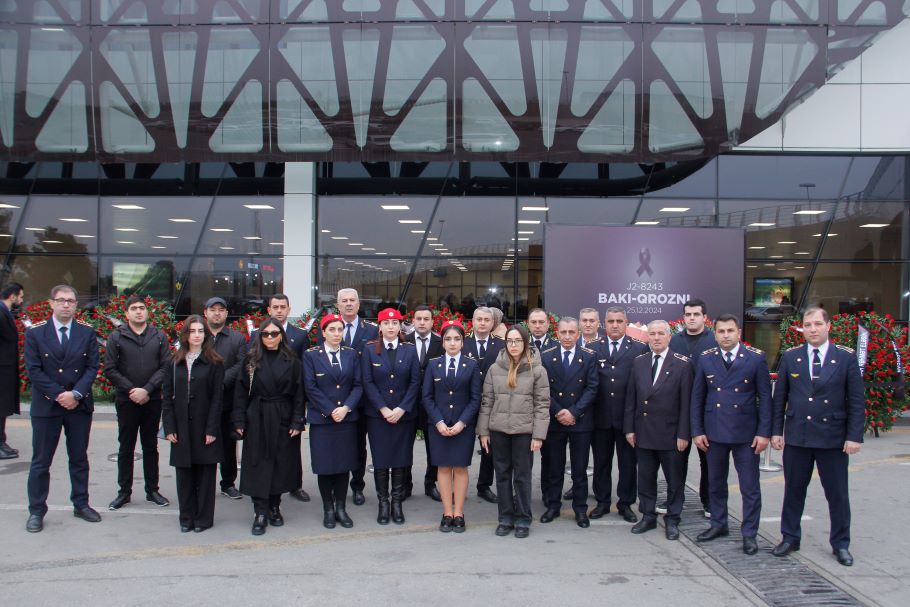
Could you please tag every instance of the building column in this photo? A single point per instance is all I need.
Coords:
(299, 235)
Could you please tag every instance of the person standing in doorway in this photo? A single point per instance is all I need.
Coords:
(11, 297)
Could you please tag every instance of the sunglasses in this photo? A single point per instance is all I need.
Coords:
(271, 334)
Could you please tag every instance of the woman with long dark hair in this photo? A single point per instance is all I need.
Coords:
(513, 421)
(331, 375)
(191, 415)
(268, 414)
(451, 396)
(391, 382)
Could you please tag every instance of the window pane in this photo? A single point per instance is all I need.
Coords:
(59, 224)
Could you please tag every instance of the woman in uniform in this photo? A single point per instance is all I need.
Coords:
(331, 377)
(391, 382)
(268, 414)
(451, 397)
(191, 416)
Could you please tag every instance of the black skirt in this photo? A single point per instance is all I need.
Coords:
(451, 451)
(333, 447)
(391, 445)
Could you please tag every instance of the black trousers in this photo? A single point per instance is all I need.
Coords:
(45, 437)
(704, 485)
(357, 482)
(554, 451)
(746, 463)
(512, 458)
(2, 429)
(196, 495)
(229, 463)
(603, 444)
(832, 472)
(144, 419)
(261, 505)
(673, 464)
(485, 474)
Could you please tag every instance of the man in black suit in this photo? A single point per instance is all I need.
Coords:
(819, 408)
(484, 348)
(61, 355)
(280, 310)
(11, 297)
(429, 345)
(539, 325)
(615, 353)
(656, 423)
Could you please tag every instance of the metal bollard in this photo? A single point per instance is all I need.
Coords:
(766, 464)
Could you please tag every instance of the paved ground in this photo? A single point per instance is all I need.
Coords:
(138, 556)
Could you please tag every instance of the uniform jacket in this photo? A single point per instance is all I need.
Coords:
(613, 379)
(524, 409)
(494, 346)
(824, 413)
(545, 343)
(390, 386)
(53, 369)
(191, 409)
(452, 401)
(9, 363)
(575, 390)
(434, 349)
(658, 414)
(232, 347)
(136, 361)
(328, 388)
(731, 406)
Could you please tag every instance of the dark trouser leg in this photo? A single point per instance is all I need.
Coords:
(2, 429)
(78, 426)
(832, 471)
(521, 478)
(45, 437)
(148, 437)
(485, 474)
(579, 450)
(205, 476)
(501, 446)
(673, 463)
(275, 501)
(187, 490)
(746, 462)
(648, 462)
(627, 464)
(704, 481)
(719, 469)
(357, 482)
(602, 447)
(229, 463)
(429, 479)
(129, 418)
(552, 473)
(798, 465)
(260, 505)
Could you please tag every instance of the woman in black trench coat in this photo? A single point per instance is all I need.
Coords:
(268, 414)
(191, 414)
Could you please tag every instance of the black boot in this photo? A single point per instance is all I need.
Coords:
(274, 516)
(328, 516)
(260, 522)
(382, 492)
(397, 495)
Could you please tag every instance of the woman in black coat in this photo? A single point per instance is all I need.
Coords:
(331, 375)
(268, 414)
(191, 414)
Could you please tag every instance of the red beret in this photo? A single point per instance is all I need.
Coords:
(390, 314)
(328, 318)
(452, 323)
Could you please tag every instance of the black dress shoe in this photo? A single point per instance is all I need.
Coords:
(35, 523)
(712, 533)
(599, 511)
(275, 518)
(200, 529)
(503, 530)
(432, 492)
(750, 546)
(157, 499)
(582, 520)
(231, 492)
(844, 557)
(300, 495)
(445, 525)
(87, 514)
(549, 515)
(260, 522)
(343, 519)
(7, 452)
(119, 502)
(458, 525)
(644, 525)
(487, 494)
(785, 548)
(627, 515)
(328, 518)
(358, 497)
(185, 528)
(522, 532)
(672, 531)
(567, 495)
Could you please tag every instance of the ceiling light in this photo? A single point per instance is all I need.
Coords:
(167, 237)
(355, 244)
(829, 235)
(395, 207)
(776, 256)
(125, 230)
(521, 238)
(525, 231)
(809, 212)
(751, 266)
(674, 209)
(768, 264)
(874, 225)
(4, 205)
(381, 253)
(529, 221)
(409, 221)
(158, 247)
(52, 241)
(277, 244)
(226, 248)
(252, 237)
(786, 242)
(128, 207)
(435, 244)
(51, 29)
(445, 253)
(535, 208)
(757, 248)
(438, 250)
(125, 242)
(326, 231)
(432, 238)
(73, 219)
(35, 229)
(339, 237)
(417, 231)
(799, 267)
(221, 229)
(85, 236)
(259, 207)
(647, 223)
(802, 253)
(367, 249)
(760, 224)
(181, 220)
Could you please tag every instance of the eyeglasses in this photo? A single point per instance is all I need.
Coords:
(60, 301)
(271, 334)
(514, 342)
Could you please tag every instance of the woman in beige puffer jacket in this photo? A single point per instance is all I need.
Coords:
(513, 421)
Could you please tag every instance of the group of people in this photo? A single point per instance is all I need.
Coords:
(644, 401)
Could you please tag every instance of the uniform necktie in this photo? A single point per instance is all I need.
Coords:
(483, 348)
(537, 343)
(654, 368)
(390, 351)
(65, 340)
(729, 361)
(423, 348)
(566, 361)
(816, 364)
(335, 362)
(450, 374)
(615, 346)
(347, 334)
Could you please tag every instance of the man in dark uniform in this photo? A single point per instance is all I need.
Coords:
(232, 346)
(280, 310)
(656, 423)
(819, 409)
(539, 325)
(731, 415)
(572, 371)
(61, 355)
(695, 339)
(11, 297)
(429, 345)
(589, 325)
(615, 353)
(484, 348)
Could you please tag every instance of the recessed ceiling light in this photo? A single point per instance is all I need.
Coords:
(85, 236)
(647, 223)
(125, 242)
(395, 207)
(52, 241)
(799, 267)
(128, 207)
(768, 265)
(355, 244)
(875, 225)
(51, 29)
(756, 248)
(259, 207)
(5, 205)
(6, 235)
(776, 256)
(165, 237)
(326, 231)
(158, 247)
(381, 253)
(674, 209)
(525, 231)
(535, 208)
(417, 231)
(226, 248)
(181, 220)
(809, 212)
(253, 253)
(339, 237)
(221, 229)
(529, 221)
(786, 242)
(802, 253)
(125, 230)
(252, 237)
(751, 266)
(522, 238)
(761, 224)
(445, 253)
(437, 250)
(435, 244)
(367, 249)
(35, 229)
(409, 221)
(277, 244)
(73, 219)
(432, 238)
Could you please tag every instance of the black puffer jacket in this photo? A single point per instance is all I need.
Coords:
(136, 361)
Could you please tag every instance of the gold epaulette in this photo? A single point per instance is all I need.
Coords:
(40, 323)
(369, 322)
(844, 348)
(796, 347)
(681, 357)
(754, 349)
(314, 348)
(709, 351)
(638, 340)
(550, 349)
(84, 324)
(644, 354)
(586, 349)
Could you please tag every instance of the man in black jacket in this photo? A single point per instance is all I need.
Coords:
(134, 361)
(231, 345)
(10, 299)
